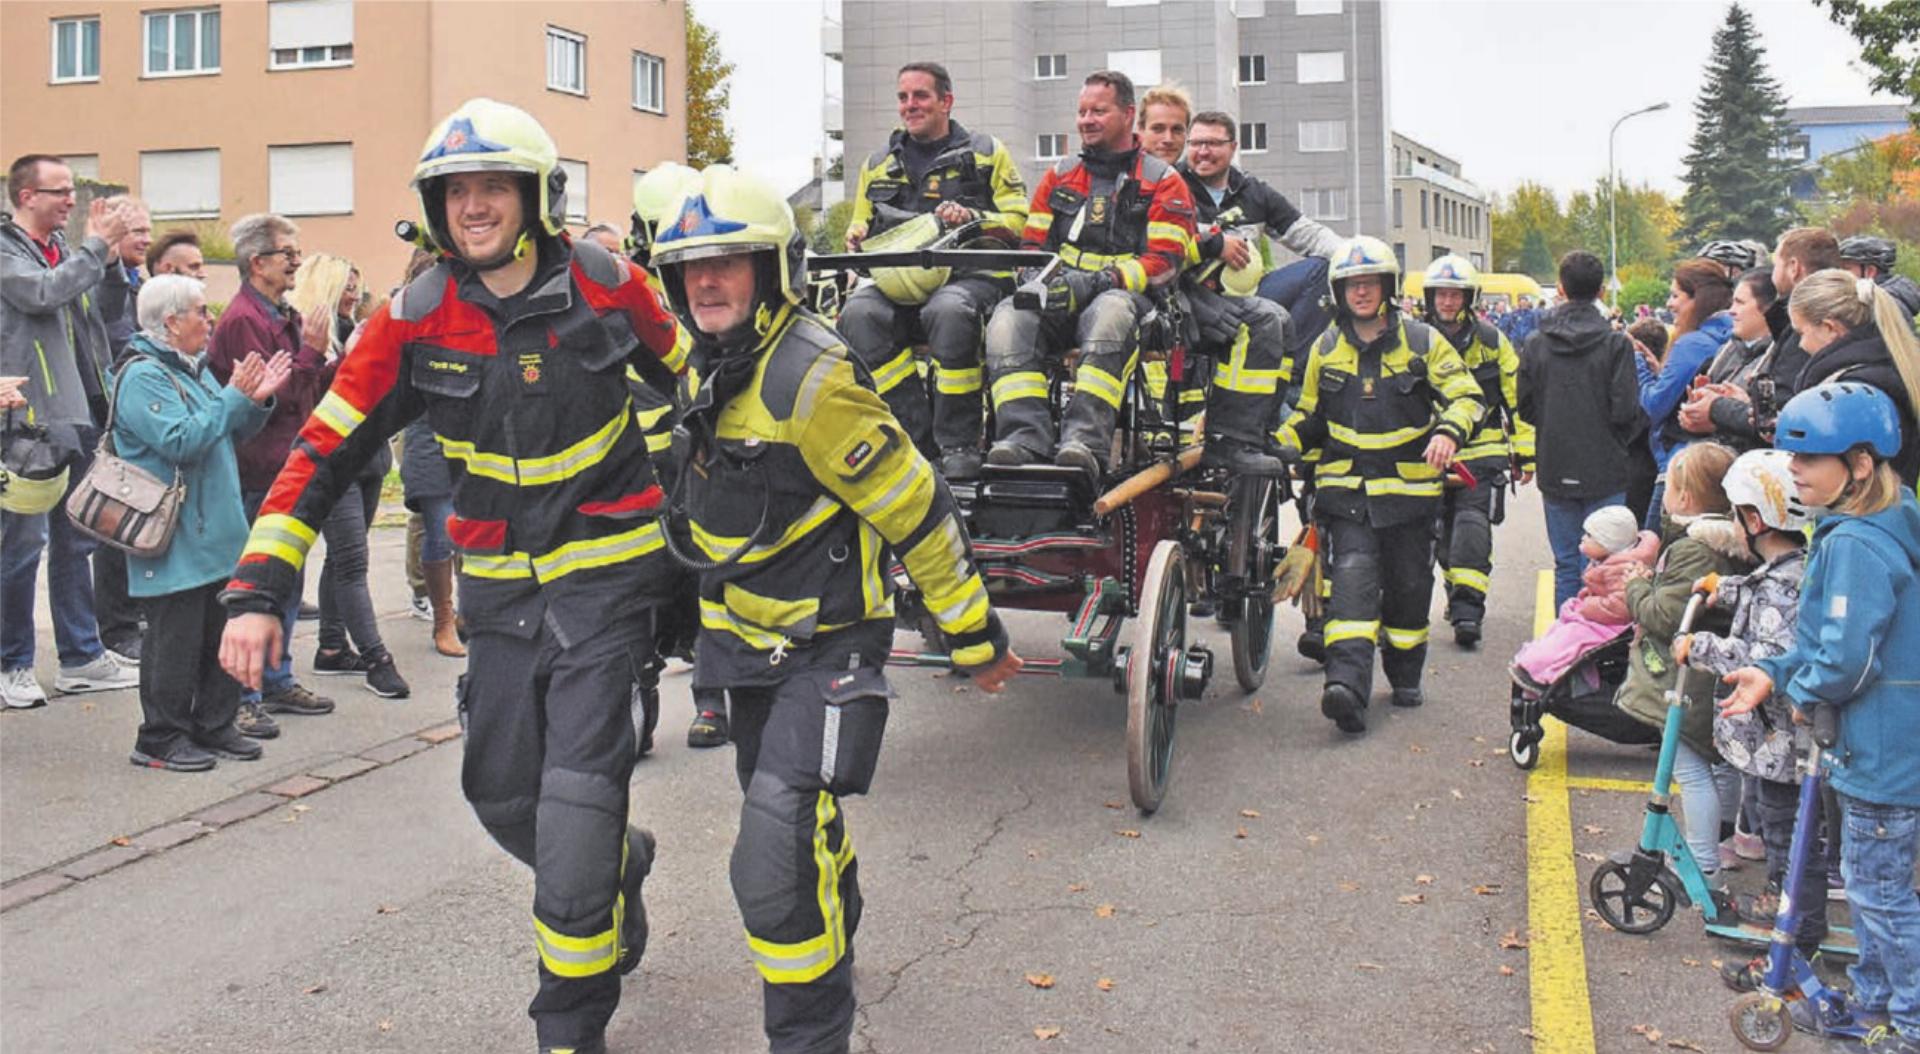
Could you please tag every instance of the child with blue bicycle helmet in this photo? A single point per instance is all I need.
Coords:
(1857, 648)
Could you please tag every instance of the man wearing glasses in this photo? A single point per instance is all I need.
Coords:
(50, 335)
(266, 248)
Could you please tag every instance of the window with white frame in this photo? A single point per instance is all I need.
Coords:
(1320, 137)
(566, 61)
(1322, 67)
(1141, 65)
(649, 82)
(310, 180)
(1250, 9)
(1253, 69)
(1253, 137)
(576, 190)
(1049, 67)
(1050, 146)
(1324, 203)
(84, 166)
(1317, 7)
(76, 50)
(180, 184)
(303, 34)
(182, 43)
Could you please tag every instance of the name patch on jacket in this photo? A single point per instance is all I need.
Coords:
(858, 455)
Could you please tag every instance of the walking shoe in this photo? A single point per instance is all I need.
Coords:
(229, 743)
(1345, 707)
(1466, 633)
(1729, 860)
(960, 463)
(254, 723)
(1884, 1040)
(103, 674)
(1075, 454)
(1836, 888)
(421, 608)
(1007, 452)
(308, 612)
(125, 652)
(709, 729)
(339, 662)
(295, 699)
(383, 679)
(1761, 909)
(1744, 976)
(633, 922)
(21, 689)
(182, 757)
(1407, 698)
(1749, 846)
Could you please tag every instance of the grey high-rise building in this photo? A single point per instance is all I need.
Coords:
(1306, 80)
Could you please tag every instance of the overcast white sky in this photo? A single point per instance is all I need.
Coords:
(1515, 89)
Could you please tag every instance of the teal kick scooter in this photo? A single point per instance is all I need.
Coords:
(1638, 892)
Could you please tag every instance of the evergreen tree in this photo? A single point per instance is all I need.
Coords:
(1535, 259)
(1737, 185)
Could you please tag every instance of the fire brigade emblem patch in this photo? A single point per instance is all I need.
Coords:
(1097, 209)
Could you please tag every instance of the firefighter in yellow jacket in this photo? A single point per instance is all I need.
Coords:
(1385, 407)
(1499, 450)
(798, 484)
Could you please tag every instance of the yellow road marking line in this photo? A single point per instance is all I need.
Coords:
(1556, 954)
(1595, 783)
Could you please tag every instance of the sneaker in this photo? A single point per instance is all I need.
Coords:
(383, 679)
(229, 743)
(421, 608)
(1836, 888)
(254, 723)
(1345, 708)
(1839, 1014)
(1761, 909)
(21, 689)
(295, 699)
(339, 662)
(309, 612)
(709, 729)
(1729, 859)
(125, 652)
(1884, 1040)
(103, 674)
(1749, 846)
(1744, 976)
(183, 757)
(633, 924)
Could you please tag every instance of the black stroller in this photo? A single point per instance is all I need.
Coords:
(1583, 698)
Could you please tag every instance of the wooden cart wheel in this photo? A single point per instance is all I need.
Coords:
(1153, 669)
(1253, 549)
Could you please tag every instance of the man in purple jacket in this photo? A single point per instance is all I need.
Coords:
(266, 248)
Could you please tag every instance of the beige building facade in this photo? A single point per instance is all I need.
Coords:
(1435, 210)
(317, 108)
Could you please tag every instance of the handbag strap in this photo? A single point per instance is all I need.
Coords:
(113, 402)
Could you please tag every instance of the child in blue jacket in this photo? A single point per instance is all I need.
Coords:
(1857, 647)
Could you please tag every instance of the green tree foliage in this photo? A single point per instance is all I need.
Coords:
(709, 140)
(1886, 30)
(1645, 221)
(1535, 258)
(1516, 217)
(829, 235)
(1875, 189)
(1736, 185)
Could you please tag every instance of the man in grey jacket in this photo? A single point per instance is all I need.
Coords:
(50, 333)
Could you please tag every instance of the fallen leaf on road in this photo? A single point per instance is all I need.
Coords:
(1512, 940)
(1598, 858)
(1592, 916)
(1685, 1044)
(1476, 763)
(1491, 889)
(1455, 791)
(1529, 799)
(1239, 832)
(1076, 887)
(385, 1026)
(1414, 898)
(1368, 966)
(1415, 748)
(1689, 962)
(1040, 980)
(123, 840)
(1423, 880)
(1593, 828)
(961, 689)
(1254, 707)
(1105, 984)
(1114, 804)
(385, 909)
(1046, 1032)
(1313, 839)
(1506, 971)
(315, 989)
(1251, 814)
(1104, 911)
(1479, 739)
(1348, 887)
(1652, 1034)
(1127, 832)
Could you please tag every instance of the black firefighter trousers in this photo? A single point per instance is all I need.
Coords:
(1466, 541)
(550, 747)
(1382, 580)
(801, 746)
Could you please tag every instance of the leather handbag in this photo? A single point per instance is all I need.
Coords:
(120, 503)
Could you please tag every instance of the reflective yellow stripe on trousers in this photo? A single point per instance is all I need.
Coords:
(577, 956)
(807, 960)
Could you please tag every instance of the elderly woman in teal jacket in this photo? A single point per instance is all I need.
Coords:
(170, 414)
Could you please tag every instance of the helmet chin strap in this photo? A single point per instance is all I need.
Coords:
(523, 247)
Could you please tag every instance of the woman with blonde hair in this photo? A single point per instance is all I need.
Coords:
(1855, 331)
(328, 285)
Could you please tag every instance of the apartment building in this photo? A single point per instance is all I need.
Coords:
(1436, 211)
(317, 108)
(1306, 80)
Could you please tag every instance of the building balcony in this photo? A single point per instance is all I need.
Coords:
(833, 40)
(833, 115)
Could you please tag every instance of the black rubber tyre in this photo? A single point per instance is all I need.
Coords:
(1153, 661)
(1643, 914)
(1253, 548)
(1760, 1021)
(1524, 749)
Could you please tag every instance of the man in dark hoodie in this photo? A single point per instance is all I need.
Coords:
(1577, 385)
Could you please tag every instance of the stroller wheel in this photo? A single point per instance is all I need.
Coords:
(1760, 1021)
(1524, 749)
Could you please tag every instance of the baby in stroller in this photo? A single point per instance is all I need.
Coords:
(1598, 613)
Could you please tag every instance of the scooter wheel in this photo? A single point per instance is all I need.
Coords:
(1524, 749)
(1760, 1021)
(1623, 908)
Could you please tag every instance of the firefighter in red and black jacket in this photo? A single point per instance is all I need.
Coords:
(1122, 222)
(514, 346)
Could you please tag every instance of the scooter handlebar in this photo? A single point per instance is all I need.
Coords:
(1826, 725)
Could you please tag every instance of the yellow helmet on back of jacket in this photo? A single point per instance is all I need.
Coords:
(488, 136)
(1364, 255)
(653, 194)
(725, 213)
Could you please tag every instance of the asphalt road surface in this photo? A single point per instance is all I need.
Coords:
(1300, 890)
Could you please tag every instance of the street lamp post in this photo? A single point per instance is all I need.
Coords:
(1613, 194)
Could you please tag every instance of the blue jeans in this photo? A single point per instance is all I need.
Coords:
(435, 545)
(69, 584)
(278, 678)
(1709, 797)
(1566, 523)
(1877, 854)
(1656, 504)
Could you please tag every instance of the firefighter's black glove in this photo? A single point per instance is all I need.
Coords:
(1071, 291)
